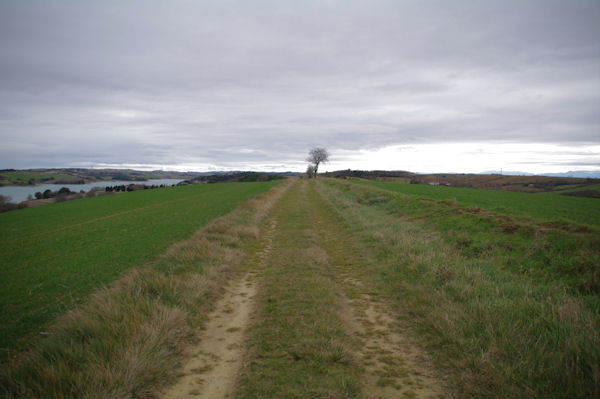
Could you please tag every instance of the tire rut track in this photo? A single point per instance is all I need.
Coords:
(392, 365)
(215, 363)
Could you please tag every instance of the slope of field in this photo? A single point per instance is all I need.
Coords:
(541, 206)
(591, 191)
(507, 307)
(32, 177)
(52, 257)
(526, 184)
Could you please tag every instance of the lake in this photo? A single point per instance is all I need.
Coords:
(20, 193)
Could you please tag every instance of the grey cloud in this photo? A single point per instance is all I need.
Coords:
(155, 82)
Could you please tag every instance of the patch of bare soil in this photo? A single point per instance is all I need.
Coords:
(212, 370)
(393, 366)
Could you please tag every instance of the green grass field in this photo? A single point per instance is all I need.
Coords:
(541, 206)
(508, 306)
(556, 242)
(52, 257)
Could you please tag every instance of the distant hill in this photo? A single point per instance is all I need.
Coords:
(30, 177)
(370, 174)
(13, 177)
(573, 173)
(577, 173)
(234, 177)
(522, 183)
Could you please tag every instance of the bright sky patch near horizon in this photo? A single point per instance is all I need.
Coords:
(424, 86)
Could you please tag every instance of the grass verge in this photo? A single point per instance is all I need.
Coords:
(499, 331)
(127, 339)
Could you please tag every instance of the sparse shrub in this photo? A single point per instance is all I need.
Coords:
(5, 204)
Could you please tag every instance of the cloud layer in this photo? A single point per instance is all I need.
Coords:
(255, 84)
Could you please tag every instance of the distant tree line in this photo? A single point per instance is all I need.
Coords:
(131, 187)
(368, 174)
(62, 192)
(236, 177)
(6, 205)
(132, 177)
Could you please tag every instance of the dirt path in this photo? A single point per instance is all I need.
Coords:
(214, 365)
(392, 365)
(308, 246)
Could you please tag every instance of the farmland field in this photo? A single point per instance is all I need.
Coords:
(325, 288)
(52, 257)
(543, 206)
(595, 187)
(23, 177)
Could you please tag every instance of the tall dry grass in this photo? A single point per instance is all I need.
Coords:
(129, 338)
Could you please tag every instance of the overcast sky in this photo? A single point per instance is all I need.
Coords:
(455, 86)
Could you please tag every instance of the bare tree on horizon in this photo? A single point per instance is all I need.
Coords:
(316, 156)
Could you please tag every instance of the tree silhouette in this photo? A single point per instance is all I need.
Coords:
(316, 156)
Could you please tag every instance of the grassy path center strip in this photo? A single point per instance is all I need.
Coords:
(299, 348)
(393, 365)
